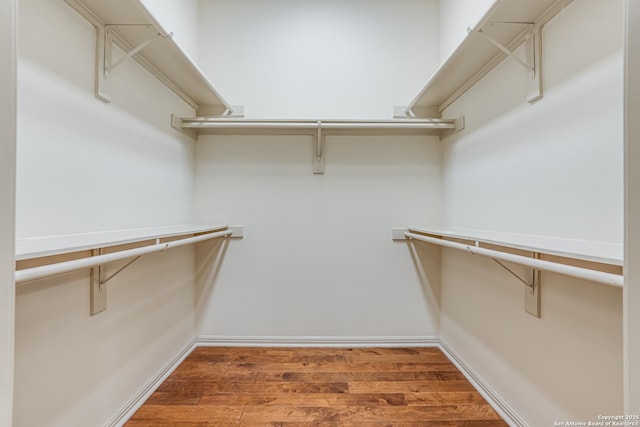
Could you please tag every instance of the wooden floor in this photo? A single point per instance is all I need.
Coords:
(319, 387)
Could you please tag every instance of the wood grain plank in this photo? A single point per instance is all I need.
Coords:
(193, 373)
(307, 399)
(343, 415)
(338, 367)
(436, 375)
(168, 414)
(408, 386)
(256, 415)
(382, 357)
(216, 387)
(436, 398)
(187, 397)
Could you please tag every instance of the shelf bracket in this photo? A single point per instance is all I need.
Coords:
(98, 292)
(109, 66)
(104, 281)
(532, 300)
(533, 46)
(533, 61)
(402, 112)
(503, 48)
(99, 280)
(234, 111)
(102, 84)
(514, 274)
(531, 290)
(230, 112)
(104, 63)
(318, 150)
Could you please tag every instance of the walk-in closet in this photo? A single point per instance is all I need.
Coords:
(339, 212)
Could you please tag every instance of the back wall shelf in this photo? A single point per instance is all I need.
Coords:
(318, 129)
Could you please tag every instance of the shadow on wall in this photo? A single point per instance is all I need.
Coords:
(209, 258)
(426, 261)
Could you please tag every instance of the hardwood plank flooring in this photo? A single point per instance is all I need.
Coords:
(223, 386)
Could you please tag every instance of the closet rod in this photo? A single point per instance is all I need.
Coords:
(35, 273)
(538, 264)
(427, 125)
(312, 125)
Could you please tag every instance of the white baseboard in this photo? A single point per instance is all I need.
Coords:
(136, 401)
(316, 341)
(510, 416)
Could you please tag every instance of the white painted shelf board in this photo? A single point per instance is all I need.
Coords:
(475, 52)
(36, 247)
(163, 53)
(603, 252)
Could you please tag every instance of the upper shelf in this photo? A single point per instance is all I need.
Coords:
(135, 25)
(505, 22)
(37, 247)
(594, 251)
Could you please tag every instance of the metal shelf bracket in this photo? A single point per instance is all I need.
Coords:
(104, 63)
(98, 293)
(532, 302)
(109, 65)
(533, 51)
(318, 151)
(99, 280)
(532, 289)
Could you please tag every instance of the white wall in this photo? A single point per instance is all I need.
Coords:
(632, 237)
(317, 258)
(7, 194)
(75, 370)
(84, 165)
(553, 168)
(179, 17)
(293, 59)
(563, 366)
(455, 17)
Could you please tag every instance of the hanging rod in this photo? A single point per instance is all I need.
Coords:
(216, 123)
(35, 273)
(538, 264)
